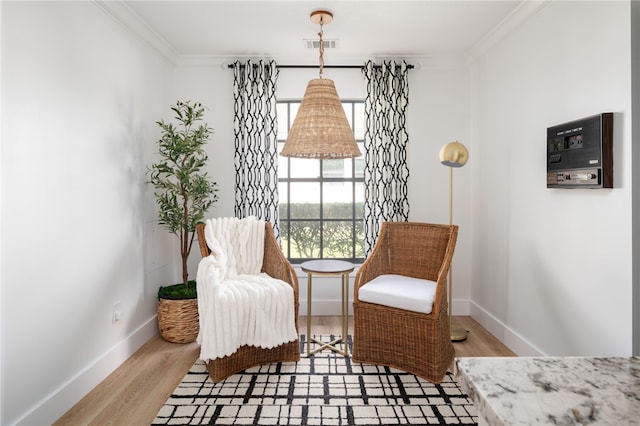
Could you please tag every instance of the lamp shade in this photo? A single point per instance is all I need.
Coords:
(320, 129)
(454, 154)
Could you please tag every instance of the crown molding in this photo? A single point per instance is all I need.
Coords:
(123, 14)
(525, 10)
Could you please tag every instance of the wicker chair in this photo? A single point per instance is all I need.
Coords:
(416, 342)
(277, 266)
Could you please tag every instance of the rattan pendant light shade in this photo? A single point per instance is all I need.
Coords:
(320, 129)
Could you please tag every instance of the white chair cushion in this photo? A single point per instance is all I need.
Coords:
(397, 291)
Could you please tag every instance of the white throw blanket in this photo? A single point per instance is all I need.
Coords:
(238, 305)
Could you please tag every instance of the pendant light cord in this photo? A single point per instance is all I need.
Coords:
(321, 48)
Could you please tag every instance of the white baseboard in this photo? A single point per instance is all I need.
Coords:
(511, 339)
(66, 396)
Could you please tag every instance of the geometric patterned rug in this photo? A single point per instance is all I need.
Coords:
(324, 389)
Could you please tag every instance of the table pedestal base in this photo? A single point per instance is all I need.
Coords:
(329, 267)
(327, 345)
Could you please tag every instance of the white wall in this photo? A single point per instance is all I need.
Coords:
(438, 114)
(80, 97)
(552, 267)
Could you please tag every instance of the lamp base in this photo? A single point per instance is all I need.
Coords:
(458, 333)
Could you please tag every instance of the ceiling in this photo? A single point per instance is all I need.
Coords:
(214, 29)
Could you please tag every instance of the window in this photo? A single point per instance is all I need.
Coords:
(321, 201)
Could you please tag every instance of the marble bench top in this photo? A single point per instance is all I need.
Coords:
(552, 390)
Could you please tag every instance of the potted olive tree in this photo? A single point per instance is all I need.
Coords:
(184, 193)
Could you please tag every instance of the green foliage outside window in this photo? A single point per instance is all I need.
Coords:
(309, 237)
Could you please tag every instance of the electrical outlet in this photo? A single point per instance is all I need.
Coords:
(117, 313)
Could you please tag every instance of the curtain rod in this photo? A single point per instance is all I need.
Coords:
(409, 66)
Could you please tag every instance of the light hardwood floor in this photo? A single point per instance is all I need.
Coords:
(135, 391)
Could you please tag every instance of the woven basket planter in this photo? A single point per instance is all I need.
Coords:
(178, 320)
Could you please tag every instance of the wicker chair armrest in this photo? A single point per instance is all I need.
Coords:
(448, 256)
(441, 300)
(275, 264)
(202, 242)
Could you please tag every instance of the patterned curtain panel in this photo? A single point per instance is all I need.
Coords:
(385, 143)
(256, 144)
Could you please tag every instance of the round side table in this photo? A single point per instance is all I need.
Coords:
(328, 267)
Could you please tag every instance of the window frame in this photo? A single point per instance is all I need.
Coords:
(354, 180)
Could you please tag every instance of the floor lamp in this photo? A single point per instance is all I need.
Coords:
(453, 154)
